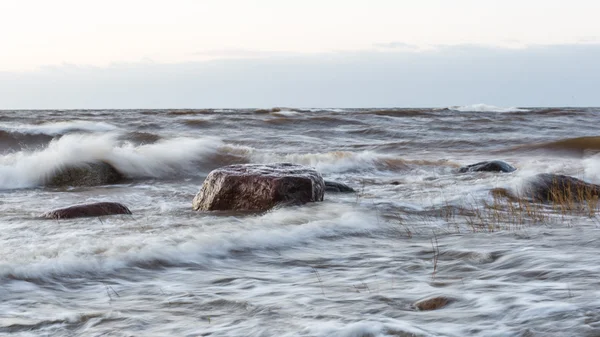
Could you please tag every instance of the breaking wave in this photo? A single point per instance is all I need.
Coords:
(486, 108)
(160, 159)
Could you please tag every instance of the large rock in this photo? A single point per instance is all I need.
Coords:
(488, 166)
(85, 174)
(252, 187)
(560, 188)
(333, 186)
(88, 210)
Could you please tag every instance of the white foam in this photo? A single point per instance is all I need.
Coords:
(192, 246)
(486, 108)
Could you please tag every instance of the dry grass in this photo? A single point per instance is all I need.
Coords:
(436, 255)
(507, 211)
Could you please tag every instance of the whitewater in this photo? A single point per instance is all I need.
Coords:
(355, 265)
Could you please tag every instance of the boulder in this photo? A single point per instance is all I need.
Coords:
(488, 166)
(332, 186)
(547, 187)
(252, 187)
(85, 174)
(88, 210)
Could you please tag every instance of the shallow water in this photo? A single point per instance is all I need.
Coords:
(353, 265)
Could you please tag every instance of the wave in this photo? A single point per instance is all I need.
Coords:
(196, 123)
(279, 229)
(70, 320)
(579, 146)
(285, 113)
(58, 128)
(190, 112)
(145, 155)
(18, 140)
(366, 328)
(486, 108)
(141, 137)
(345, 161)
(161, 159)
(17, 136)
(311, 121)
(404, 112)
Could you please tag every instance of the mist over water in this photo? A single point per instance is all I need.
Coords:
(353, 265)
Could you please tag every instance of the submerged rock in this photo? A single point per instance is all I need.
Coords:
(488, 166)
(560, 188)
(332, 186)
(433, 303)
(88, 210)
(252, 187)
(85, 174)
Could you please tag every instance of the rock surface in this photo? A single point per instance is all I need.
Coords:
(560, 188)
(332, 186)
(433, 303)
(488, 166)
(252, 187)
(88, 210)
(86, 174)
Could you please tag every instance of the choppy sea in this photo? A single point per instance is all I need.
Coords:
(354, 265)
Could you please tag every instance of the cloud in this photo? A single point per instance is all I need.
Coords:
(397, 45)
(565, 75)
(241, 53)
(589, 40)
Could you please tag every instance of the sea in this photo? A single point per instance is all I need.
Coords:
(355, 265)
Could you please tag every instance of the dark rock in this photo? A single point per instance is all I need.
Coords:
(85, 174)
(332, 186)
(251, 187)
(88, 210)
(488, 166)
(560, 188)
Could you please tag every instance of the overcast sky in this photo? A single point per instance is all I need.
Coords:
(327, 53)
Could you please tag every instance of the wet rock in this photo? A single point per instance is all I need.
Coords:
(432, 303)
(85, 174)
(332, 186)
(252, 187)
(559, 188)
(88, 210)
(488, 166)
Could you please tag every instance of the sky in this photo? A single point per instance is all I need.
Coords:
(328, 53)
